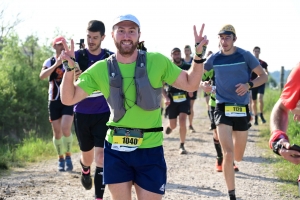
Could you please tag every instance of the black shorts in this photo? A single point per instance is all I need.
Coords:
(194, 97)
(212, 117)
(237, 123)
(256, 90)
(91, 129)
(174, 109)
(56, 110)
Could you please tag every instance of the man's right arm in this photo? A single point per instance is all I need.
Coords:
(70, 93)
(47, 69)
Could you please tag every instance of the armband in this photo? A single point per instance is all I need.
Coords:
(199, 61)
(277, 135)
(67, 67)
(200, 55)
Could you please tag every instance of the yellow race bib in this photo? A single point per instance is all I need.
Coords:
(235, 110)
(127, 139)
(179, 97)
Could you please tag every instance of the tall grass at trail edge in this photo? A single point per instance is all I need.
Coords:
(31, 149)
(284, 170)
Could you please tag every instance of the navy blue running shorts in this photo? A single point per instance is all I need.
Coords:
(145, 167)
(91, 129)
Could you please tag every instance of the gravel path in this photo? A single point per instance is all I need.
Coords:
(190, 176)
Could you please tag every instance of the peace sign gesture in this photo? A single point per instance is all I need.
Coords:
(201, 41)
(68, 54)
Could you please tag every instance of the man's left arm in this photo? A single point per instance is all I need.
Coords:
(262, 77)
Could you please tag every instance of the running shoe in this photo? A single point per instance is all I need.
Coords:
(61, 165)
(232, 198)
(182, 150)
(86, 179)
(219, 164)
(69, 164)
(218, 167)
(168, 130)
(236, 169)
(191, 128)
(263, 121)
(255, 123)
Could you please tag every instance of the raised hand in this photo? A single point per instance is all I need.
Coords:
(68, 54)
(202, 40)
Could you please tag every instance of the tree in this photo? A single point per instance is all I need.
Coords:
(23, 99)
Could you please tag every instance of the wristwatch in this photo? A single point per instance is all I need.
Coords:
(250, 84)
(67, 67)
(276, 146)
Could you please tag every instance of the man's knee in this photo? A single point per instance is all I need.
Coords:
(99, 157)
(228, 155)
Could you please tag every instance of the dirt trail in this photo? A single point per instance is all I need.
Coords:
(190, 176)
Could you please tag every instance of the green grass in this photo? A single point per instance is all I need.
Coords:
(31, 149)
(285, 171)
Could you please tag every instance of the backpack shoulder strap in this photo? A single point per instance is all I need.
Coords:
(141, 69)
(52, 61)
(83, 59)
(107, 53)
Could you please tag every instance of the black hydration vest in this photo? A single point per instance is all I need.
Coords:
(147, 97)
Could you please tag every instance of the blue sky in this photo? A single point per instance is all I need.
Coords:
(272, 25)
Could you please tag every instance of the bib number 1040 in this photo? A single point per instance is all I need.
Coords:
(130, 140)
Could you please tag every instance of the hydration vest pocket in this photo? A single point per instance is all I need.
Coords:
(143, 89)
(116, 99)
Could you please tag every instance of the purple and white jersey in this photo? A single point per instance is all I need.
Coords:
(95, 103)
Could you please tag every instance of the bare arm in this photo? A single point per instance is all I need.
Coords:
(71, 93)
(262, 77)
(46, 72)
(190, 80)
(279, 121)
(279, 117)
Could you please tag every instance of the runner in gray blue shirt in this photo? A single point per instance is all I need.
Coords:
(233, 67)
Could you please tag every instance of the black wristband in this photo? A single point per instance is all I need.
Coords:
(276, 147)
(250, 84)
(199, 61)
(73, 59)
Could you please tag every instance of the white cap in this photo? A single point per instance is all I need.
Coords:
(127, 17)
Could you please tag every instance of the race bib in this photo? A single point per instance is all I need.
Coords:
(179, 97)
(235, 110)
(127, 139)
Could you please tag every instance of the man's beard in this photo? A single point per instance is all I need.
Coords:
(94, 47)
(177, 61)
(126, 52)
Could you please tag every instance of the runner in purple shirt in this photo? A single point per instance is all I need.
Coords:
(92, 113)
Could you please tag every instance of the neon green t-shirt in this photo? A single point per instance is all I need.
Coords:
(159, 68)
